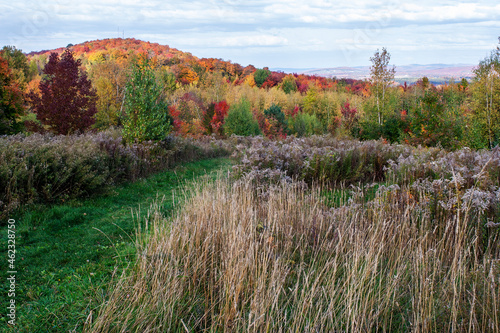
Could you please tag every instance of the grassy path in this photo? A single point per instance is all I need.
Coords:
(66, 254)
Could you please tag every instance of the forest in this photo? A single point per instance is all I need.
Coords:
(145, 189)
(196, 95)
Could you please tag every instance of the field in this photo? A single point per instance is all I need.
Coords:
(311, 234)
(263, 251)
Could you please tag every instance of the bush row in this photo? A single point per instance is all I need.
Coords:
(47, 168)
(451, 181)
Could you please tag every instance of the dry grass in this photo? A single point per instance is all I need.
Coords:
(236, 258)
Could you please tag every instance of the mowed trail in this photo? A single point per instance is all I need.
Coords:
(68, 253)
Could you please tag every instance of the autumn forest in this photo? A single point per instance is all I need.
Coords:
(196, 95)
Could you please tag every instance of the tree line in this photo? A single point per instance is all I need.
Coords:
(151, 91)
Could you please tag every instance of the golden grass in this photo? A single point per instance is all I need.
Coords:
(238, 259)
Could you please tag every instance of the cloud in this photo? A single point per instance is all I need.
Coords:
(318, 30)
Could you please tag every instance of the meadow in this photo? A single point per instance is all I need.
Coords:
(300, 234)
(290, 243)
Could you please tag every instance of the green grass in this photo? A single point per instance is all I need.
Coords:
(66, 254)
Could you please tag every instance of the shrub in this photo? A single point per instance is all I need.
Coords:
(240, 120)
(11, 99)
(304, 124)
(214, 117)
(273, 122)
(46, 168)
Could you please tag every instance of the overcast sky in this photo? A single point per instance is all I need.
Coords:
(286, 34)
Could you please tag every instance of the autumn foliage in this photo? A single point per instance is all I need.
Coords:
(10, 99)
(214, 116)
(68, 102)
(192, 87)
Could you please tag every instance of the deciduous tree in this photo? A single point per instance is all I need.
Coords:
(11, 101)
(381, 76)
(486, 98)
(68, 102)
(261, 75)
(146, 112)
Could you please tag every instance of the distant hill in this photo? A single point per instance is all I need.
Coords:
(186, 67)
(189, 68)
(437, 73)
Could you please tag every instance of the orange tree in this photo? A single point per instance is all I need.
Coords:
(11, 101)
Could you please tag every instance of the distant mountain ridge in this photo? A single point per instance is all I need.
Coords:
(437, 73)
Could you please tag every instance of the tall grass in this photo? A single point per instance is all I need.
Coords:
(239, 257)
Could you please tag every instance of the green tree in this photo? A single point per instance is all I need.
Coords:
(18, 63)
(288, 84)
(146, 112)
(240, 120)
(276, 122)
(305, 124)
(312, 102)
(261, 75)
(381, 78)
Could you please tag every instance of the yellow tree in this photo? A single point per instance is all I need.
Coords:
(486, 97)
(381, 76)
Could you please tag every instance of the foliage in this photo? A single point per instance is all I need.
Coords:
(18, 63)
(274, 122)
(67, 103)
(208, 115)
(288, 84)
(11, 99)
(190, 84)
(432, 124)
(188, 114)
(381, 77)
(214, 117)
(349, 114)
(240, 120)
(220, 112)
(108, 79)
(46, 168)
(486, 93)
(146, 113)
(260, 76)
(304, 124)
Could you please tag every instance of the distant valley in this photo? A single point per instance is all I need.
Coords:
(437, 73)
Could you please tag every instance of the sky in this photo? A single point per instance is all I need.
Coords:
(278, 34)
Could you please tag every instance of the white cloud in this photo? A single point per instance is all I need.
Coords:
(317, 29)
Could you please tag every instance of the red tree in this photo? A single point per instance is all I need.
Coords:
(11, 101)
(213, 117)
(349, 114)
(67, 103)
(221, 110)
